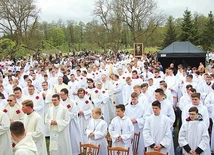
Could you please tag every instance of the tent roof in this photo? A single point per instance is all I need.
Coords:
(181, 49)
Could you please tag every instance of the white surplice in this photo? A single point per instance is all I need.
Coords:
(59, 144)
(122, 127)
(5, 137)
(137, 112)
(26, 146)
(195, 134)
(34, 126)
(74, 125)
(85, 105)
(157, 131)
(99, 128)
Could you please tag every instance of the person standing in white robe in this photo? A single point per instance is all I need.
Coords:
(135, 111)
(19, 95)
(37, 99)
(73, 86)
(5, 138)
(156, 132)
(58, 120)
(25, 144)
(34, 126)
(74, 126)
(97, 130)
(13, 109)
(121, 129)
(193, 135)
(84, 107)
(105, 105)
(201, 108)
(46, 94)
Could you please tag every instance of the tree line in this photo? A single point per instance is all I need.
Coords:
(116, 26)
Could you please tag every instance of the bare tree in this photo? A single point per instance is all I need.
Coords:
(18, 19)
(141, 16)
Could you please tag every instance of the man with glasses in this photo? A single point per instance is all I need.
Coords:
(13, 109)
(195, 97)
(193, 135)
(58, 120)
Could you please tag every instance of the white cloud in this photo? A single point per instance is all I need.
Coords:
(81, 10)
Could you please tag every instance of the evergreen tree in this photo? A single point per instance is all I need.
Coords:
(187, 27)
(170, 35)
(208, 37)
(195, 32)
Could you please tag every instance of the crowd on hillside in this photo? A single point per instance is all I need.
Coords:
(89, 97)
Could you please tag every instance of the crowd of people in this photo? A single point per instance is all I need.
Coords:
(86, 98)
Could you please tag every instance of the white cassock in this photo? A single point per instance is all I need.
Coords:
(5, 137)
(137, 81)
(209, 103)
(14, 113)
(85, 105)
(59, 144)
(26, 146)
(21, 99)
(184, 100)
(106, 103)
(137, 112)
(122, 127)
(3, 103)
(95, 96)
(194, 134)
(201, 109)
(99, 128)
(157, 130)
(38, 103)
(117, 93)
(34, 126)
(47, 104)
(73, 88)
(74, 125)
(127, 91)
(167, 110)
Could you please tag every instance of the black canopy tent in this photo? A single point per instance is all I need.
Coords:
(184, 53)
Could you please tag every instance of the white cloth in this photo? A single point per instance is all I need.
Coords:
(157, 131)
(99, 128)
(85, 105)
(195, 134)
(58, 143)
(5, 137)
(122, 127)
(26, 147)
(34, 126)
(74, 125)
(201, 109)
(137, 112)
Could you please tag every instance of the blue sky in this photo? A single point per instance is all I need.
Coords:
(81, 10)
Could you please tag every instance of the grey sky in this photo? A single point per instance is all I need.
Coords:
(81, 10)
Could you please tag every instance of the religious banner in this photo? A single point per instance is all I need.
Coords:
(138, 49)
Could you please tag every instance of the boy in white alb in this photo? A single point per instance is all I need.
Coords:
(97, 130)
(121, 129)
